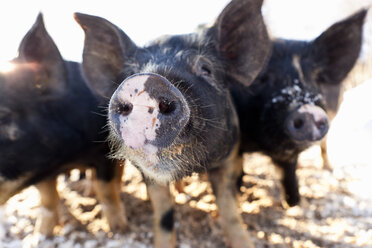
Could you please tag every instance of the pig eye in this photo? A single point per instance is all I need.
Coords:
(205, 71)
(204, 67)
(166, 107)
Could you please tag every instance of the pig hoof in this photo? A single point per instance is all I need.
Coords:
(118, 224)
(241, 242)
(46, 223)
(293, 200)
(116, 218)
(35, 240)
(165, 239)
(327, 166)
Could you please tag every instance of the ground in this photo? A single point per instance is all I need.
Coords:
(329, 216)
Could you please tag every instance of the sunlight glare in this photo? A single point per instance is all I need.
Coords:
(6, 66)
(350, 139)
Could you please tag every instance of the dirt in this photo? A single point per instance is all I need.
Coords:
(329, 215)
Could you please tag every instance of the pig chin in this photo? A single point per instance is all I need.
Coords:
(143, 155)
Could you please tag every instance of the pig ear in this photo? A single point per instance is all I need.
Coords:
(39, 51)
(336, 50)
(106, 48)
(242, 39)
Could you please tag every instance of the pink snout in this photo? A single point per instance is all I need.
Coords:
(307, 123)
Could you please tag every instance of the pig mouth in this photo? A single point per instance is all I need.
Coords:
(160, 164)
(154, 162)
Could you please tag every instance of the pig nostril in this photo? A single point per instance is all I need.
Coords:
(298, 123)
(125, 108)
(321, 125)
(166, 107)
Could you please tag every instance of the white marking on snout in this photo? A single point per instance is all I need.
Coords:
(296, 62)
(141, 124)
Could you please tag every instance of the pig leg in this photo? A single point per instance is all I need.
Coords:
(106, 184)
(180, 186)
(290, 181)
(85, 178)
(223, 182)
(165, 235)
(323, 147)
(10, 187)
(49, 199)
(85, 185)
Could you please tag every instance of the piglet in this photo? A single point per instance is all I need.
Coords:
(48, 125)
(290, 105)
(170, 111)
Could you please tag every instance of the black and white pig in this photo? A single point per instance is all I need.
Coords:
(48, 125)
(290, 104)
(170, 111)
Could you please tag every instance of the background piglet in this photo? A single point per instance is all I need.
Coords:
(290, 105)
(48, 125)
(170, 111)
